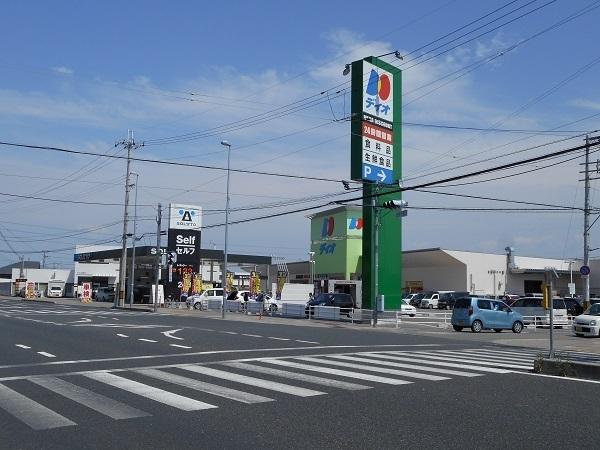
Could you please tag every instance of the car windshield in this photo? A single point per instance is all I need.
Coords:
(55, 288)
(594, 310)
(322, 298)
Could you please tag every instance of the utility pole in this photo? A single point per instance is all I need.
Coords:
(158, 255)
(129, 144)
(589, 142)
(44, 258)
(133, 239)
(375, 203)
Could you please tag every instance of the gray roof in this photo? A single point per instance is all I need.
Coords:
(7, 270)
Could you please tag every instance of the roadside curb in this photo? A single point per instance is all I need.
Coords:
(566, 368)
(50, 302)
(124, 308)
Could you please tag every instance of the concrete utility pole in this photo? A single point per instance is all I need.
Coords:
(224, 273)
(44, 258)
(586, 225)
(133, 239)
(158, 255)
(130, 145)
(375, 203)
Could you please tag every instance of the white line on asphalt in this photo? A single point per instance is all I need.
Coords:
(468, 354)
(22, 346)
(147, 340)
(279, 339)
(32, 413)
(84, 320)
(170, 333)
(179, 346)
(252, 335)
(556, 377)
(122, 335)
(158, 395)
(202, 386)
(307, 342)
(229, 332)
(414, 359)
(257, 382)
(104, 405)
(400, 373)
(47, 355)
(343, 373)
(425, 355)
(298, 376)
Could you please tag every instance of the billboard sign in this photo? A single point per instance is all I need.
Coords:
(184, 217)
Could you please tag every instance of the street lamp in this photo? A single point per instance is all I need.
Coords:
(224, 274)
(131, 284)
(311, 268)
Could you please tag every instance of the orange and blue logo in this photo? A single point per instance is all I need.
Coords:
(328, 227)
(356, 223)
(379, 85)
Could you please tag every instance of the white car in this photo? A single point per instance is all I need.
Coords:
(406, 309)
(196, 300)
(588, 323)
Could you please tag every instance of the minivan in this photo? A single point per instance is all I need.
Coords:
(431, 299)
(533, 311)
(447, 299)
(196, 300)
(485, 314)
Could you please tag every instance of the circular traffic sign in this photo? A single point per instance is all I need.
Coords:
(584, 270)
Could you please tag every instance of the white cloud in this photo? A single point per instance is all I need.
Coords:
(62, 70)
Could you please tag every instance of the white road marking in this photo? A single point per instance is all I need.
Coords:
(458, 358)
(170, 333)
(307, 342)
(298, 376)
(97, 402)
(414, 359)
(403, 365)
(147, 340)
(84, 320)
(122, 335)
(343, 373)
(190, 383)
(32, 413)
(22, 346)
(229, 332)
(158, 395)
(179, 346)
(257, 382)
(401, 373)
(488, 357)
(278, 338)
(252, 335)
(47, 355)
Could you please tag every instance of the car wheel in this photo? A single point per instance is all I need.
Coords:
(517, 327)
(273, 308)
(198, 305)
(476, 326)
(457, 328)
(430, 306)
(498, 330)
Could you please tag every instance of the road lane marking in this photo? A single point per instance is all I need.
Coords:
(190, 383)
(486, 357)
(252, 335)
(278, 338)
(122, 335)
(420, 360)
(147, 340)
(360, 358)
(298, 376)
(179, 346)
(47, 355)
(158, 395)
(229, 332)
(330, 371)
(257, 382)
(458, 358)
(307, 342)
(22, 346)
(104, 405)
(32, 413)
(170, 333)
(84, 320)
(401, 373)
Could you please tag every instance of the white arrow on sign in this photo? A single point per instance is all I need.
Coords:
(381, 176)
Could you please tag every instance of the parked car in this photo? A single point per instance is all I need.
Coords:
(431, 299)
(447, 299)
(343, 301)
(483, 314)
(534, 313)
(406, 309)
(416, 300)
(195, 301)
(572, 306)
(105, 294)
(588, 323)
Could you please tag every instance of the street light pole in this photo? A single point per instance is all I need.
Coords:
(131, 284)
(224, 274)
(311, 265)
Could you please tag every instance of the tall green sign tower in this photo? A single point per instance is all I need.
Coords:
(376, 160)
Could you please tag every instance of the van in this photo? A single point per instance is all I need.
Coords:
(447, 299)
(196, 300)
(534, 313)
(482, 313)
(430, 300)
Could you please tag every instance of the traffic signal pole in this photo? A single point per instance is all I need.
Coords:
(158, 256)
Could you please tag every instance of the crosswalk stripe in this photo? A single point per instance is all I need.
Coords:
(402, 373)
(499, 356)
(232, 394)
(365, 358)
(30, 412)
(158, 395)
(415, 359)
(486, 357)
(258, 382)
(298, 376)
(97, 402)
(331, 371)
(468, 360)
(521, 354)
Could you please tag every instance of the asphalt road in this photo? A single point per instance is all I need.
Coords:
(84, 377)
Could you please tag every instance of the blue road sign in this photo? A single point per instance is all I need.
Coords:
(584, 270)
(374, 173)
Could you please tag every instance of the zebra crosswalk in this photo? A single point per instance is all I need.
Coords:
(65, 311)
(248, 381)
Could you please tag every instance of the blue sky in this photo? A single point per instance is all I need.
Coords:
(79, 74)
